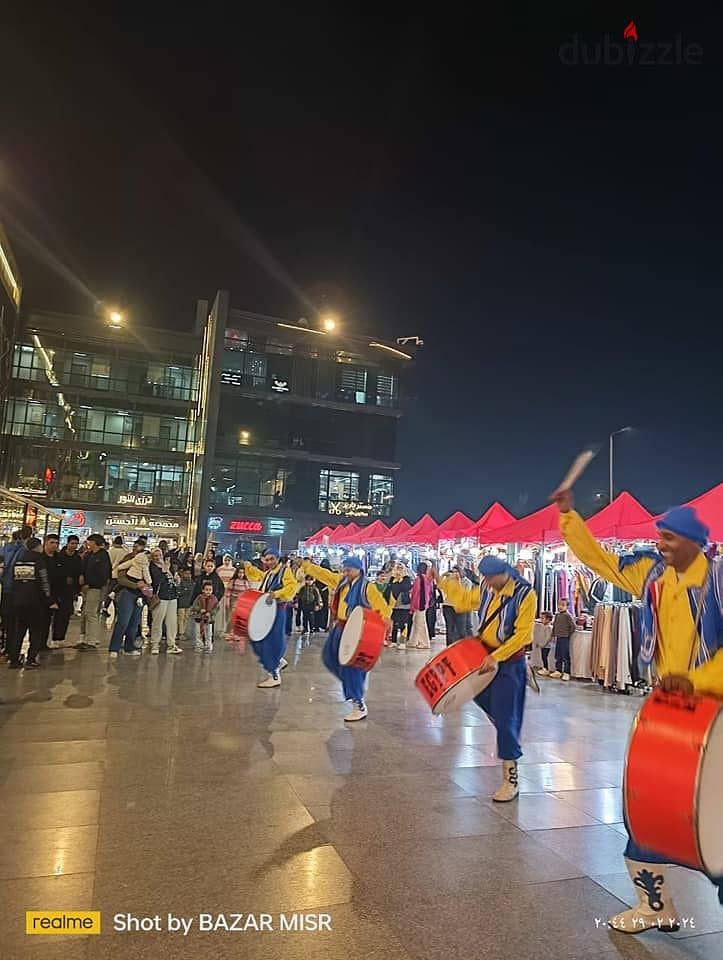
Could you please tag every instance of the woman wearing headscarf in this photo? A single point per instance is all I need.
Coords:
(401, 588)
(421, 597)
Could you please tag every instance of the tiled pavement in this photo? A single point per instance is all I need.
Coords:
(173, 785)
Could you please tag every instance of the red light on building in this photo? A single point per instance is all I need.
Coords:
(246, 526)
(49, 475)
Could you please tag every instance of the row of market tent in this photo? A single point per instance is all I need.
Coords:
(625, 519)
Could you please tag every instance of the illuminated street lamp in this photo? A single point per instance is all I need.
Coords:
(329, 323)
(115, 319)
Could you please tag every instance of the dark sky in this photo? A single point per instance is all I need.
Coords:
(553, 232)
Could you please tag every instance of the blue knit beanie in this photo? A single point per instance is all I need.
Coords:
(686, 523)
(351, 562)
(493, 566)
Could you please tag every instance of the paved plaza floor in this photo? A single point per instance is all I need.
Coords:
(169, 785)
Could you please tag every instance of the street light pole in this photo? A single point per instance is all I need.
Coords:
(612, 436)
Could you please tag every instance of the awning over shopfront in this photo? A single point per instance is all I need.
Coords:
(494, 517)
(540, 527)
(341, 536)
(397, 532)
(623, 519)
(425, 530)
(372, 534)
(453, 526)
(319, 536)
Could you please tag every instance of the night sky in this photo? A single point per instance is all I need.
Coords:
(553, 232)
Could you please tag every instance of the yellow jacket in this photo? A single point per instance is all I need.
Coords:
(467, 599)
(374, 598)
(289, 584)
(676, 624)
(453, 592)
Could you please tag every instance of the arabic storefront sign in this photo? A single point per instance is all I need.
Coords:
(349, 508)
(142, 522)
(137, 499)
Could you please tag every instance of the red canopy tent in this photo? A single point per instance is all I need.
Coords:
(623, 519)
(540, 527)
(453, 527)
(373, 533)
(494, 517)
(397, 532)
(318, 537)
(425, 530)
(343, 532)
(709, 507)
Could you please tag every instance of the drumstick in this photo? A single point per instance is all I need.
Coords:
(579, 465)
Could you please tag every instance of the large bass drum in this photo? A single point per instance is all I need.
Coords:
(452, 677)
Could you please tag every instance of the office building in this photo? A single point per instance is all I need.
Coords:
(100, 423)
(302, 428)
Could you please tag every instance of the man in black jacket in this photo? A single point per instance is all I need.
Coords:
(31, 598)
(69, 568)
(94, 581)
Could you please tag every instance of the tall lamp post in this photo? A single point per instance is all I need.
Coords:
(614, 434)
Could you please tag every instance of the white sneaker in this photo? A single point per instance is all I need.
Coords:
(283, 663)
(359, 712)
(174, 649)
(401, 646)
(543, 672)
(208, 646)
(565, 676)
(509, 789)
(154, 651)
(556, 675)
(269, 682)
(113, 655)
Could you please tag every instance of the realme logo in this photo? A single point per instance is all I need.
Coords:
(62, 922)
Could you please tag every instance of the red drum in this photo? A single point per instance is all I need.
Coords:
(452, 678)
(674, 778)
(253, 617)
(362, 639)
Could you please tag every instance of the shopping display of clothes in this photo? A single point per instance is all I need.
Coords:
(563, 581)
(616, 638)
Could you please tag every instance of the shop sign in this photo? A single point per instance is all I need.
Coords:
(75, 519)
(31, 514)
(137, 499)
(246, 526)
(142, 522)
(349, 508)
(277, 528)
(215, 523)
(280, 386)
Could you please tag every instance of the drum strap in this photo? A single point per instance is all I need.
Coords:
(656, 593)
(493, 616)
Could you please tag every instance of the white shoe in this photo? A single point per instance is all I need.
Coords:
(283, 663)
(359, 712)
(174, 649)
(208, 646)
(113, 655)
(509, 789)
(565, 676)
(269, 682)
(401, 646)
(154, 651)
(655, 909)
(543, 672)
(134, 653)
(556, 675)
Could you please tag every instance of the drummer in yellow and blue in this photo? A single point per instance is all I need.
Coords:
(351, 589)
(279, 583)
(506, 604)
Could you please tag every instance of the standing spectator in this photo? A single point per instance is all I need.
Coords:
(203, 611)
(420, 599)
(166, 612)
(226, 572)
(209, 575)
(542, 638)
(56, 579)
(198, 565)
(70, 568)
(401, 588)
(309, 600)
(185, 591)
(454, 585)
(11, 551)
(563, 627)
(117, 552)
(94, 582)
(31, 598)
(129, 602)
(238, 585)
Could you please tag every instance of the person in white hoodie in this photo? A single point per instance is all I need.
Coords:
(117, 552)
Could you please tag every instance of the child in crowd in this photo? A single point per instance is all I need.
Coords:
(563, 627)
(203, 611)
(309, 600)
(237, 586)
(138, 569)
(185, 590)
(542, 638)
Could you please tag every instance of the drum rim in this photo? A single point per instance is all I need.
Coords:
(455, 684)
(696, 793)
(631, 735)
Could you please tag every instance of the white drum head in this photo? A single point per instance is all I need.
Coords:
(351, 635)
(261, 619)
(710, 790)
(464, 691)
